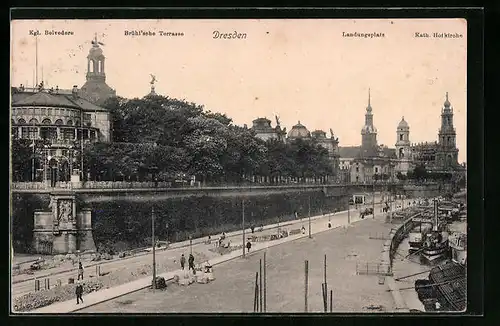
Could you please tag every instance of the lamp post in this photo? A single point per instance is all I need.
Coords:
(154, 245)
(243, 224)
(373, 197)
(191, 244)
(309, 214)
(348, 211)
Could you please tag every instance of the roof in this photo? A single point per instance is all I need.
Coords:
(451, 283)
(349, 151)
(389, 152)
(318, 134)
(59, 98)
(46, 99)
(403, 124)
(86, 105)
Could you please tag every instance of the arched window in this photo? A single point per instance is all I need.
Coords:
(400, 136)
(46, 122)
(99, 63)
(91, 65)
(21, 121)
(401, 153)
(59, 122)
(33, 121)
(69, 123)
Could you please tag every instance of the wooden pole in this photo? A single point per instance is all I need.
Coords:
(306, 263)
(325, 299)
(255, 294)
(323, 290)
(243, 224)
(265, 283)
(260, 285)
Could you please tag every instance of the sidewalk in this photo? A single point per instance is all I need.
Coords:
(94, 298)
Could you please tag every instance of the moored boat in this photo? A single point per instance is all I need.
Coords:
(435, 243)
(414, 241)
(458, 246)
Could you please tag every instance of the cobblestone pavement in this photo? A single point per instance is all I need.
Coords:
(232, 291)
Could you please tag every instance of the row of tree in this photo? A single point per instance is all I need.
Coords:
(161, 138)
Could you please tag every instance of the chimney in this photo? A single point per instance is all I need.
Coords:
(75, 91)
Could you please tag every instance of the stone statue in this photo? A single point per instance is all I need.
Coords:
(277, 121)
(153, 79)
(65, 211)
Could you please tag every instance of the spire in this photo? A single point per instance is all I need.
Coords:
(369, 107)
(446, 102)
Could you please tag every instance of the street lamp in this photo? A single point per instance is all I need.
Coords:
(190, 244)
(309, 216)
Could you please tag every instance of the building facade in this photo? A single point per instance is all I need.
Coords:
(64, 120)
(263, 130)
(362, 163)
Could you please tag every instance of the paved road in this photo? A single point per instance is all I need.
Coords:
(169, 255)
(232, 291)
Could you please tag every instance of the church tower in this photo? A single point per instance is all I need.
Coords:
(403, 150)
(369, 133)
(447, 155)
(95, 89)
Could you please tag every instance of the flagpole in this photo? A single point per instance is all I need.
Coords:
(36, 60)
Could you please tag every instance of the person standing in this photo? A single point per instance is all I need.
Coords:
(249, 245)
(183, 261)
(191, 262)
(80, 270)
(79, 292)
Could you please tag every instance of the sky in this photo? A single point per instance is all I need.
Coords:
(301, 70)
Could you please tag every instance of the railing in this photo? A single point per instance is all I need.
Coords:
(166, 184)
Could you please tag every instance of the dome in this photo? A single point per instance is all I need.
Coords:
(95, 51)
(299, 131)
(403, 124)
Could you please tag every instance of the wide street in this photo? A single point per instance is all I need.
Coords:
(168, 259)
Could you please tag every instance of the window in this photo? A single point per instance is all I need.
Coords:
(376, 169)
(32, 133)
(49, 111)
(47, 121)
(400, 137)
(357, 169)
(44, 111)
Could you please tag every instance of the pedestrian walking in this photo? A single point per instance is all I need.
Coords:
(183, 261)
(249, 245)
(79, 292)
(252, 228)
(303, 229)
(191, 262)
(80, 271)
